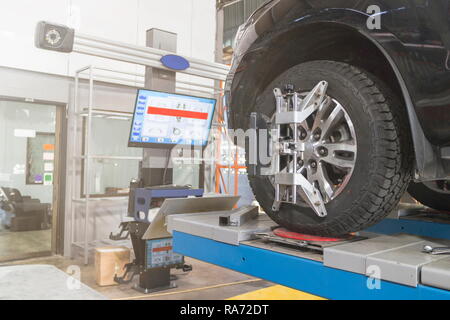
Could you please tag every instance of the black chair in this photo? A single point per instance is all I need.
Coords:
(27, 214)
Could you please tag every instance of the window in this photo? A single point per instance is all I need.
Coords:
(234, 15)
(29, 165)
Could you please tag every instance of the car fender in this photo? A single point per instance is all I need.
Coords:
(295, 16)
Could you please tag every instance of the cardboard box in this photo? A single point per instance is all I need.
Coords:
(110, 261)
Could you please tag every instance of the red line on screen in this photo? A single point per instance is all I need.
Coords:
(177, 113)
(168, 248)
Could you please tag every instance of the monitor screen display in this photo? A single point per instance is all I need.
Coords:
(171, 119)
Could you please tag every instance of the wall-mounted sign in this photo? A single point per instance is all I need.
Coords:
(175, 62)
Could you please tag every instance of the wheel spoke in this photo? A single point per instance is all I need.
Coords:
(325, 185)
(320, 113)
(345, 146)
(339, 161)
(332, 121)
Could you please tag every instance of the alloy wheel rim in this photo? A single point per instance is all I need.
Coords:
(330, 152)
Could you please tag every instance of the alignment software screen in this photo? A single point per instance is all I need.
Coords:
(166, 118)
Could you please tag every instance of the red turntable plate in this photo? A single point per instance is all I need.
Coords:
(284, 233)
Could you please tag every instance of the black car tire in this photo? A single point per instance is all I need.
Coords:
(383, 166)
(429, 197)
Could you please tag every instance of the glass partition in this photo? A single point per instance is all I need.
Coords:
(27, 171)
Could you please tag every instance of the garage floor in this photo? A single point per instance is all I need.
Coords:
(205, 282)
(17, 245)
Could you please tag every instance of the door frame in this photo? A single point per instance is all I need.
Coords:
(59, 181)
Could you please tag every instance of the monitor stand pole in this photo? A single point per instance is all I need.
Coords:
(154, 160)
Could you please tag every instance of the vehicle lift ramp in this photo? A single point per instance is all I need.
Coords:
(387, 261)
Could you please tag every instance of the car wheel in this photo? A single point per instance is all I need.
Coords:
(366, 166)
(433, 194)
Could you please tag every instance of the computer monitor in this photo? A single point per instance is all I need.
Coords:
(166, 119)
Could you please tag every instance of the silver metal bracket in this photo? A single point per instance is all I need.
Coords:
(291, 111)
(240, 216)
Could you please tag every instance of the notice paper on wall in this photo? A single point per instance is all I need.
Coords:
(48, 156)
(38, 178)
(48, 147)
(48, 166)
(48, 179)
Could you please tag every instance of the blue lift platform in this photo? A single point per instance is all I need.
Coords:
(306, 270)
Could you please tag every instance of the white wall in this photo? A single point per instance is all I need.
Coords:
(121, 20)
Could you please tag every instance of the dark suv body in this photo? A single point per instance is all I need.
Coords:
(402, 45)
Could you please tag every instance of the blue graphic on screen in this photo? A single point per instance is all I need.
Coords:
(165, 118)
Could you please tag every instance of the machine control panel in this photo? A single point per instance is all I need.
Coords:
(160, 254)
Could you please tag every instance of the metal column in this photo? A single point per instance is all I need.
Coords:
(154, 160)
